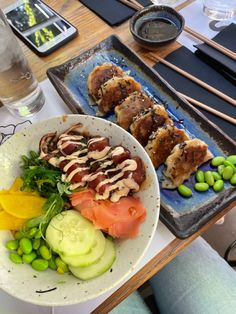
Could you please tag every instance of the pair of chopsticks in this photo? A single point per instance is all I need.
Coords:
(137, 6)
(201, 83)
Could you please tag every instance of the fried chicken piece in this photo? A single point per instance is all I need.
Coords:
(149, 121)
(130, 107)
(114, 91)
(100, 75)
(161, 143)
(185, 158)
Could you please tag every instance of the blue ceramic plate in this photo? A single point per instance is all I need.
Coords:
(182, 216)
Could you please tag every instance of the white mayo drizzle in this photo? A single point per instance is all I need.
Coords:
(115, 187)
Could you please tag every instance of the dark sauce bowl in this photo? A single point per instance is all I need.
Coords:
(156, 13)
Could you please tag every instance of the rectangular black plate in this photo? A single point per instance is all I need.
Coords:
(181, 215)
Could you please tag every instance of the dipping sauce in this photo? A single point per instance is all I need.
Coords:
(157, 29)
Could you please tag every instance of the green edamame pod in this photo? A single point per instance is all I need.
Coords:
(28, 258)
(232, 159)
(220, 169)
(12, 245)
(61, 265)
(26, 245)
(218, 160)
(36, 244)
(218, 185)
(201, 186)
(39, 264)
(227, 173)
(34, 222)
(200, 176)
(15, 258)
(233, 179)
(44, 252)
(216, 175)
(184, 190)
(209, 178)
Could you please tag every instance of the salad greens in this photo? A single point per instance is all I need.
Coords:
(38, 175)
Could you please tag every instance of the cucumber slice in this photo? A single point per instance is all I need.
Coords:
(92, 256)
(99, 267)
(68, 233)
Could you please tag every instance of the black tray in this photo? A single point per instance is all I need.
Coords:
(182, 216)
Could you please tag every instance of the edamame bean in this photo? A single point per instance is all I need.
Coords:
(12, 245)
(26, 245)
(44, 252)
(218, 185)
(209, 178)
(34, 222)
(220, 169)
(233, 179)
(228, 163)
(227, 173)
(18, 235)
(184, 190)
(218, 160)
(31, 233)
(61, 266)
(36, 244)
(19, 251)
(200, 176)
(15, 258)
(38, 234)
(232, 159)
(201, 186)
(28, 258)
(39, 264)
(52, 264)
(216, 175)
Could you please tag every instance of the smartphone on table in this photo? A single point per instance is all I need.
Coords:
(40, 27)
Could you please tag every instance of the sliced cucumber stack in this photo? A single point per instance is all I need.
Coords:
(92, 256)
(70, 234)
(99, 267)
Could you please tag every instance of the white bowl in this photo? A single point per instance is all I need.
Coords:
(22, 281)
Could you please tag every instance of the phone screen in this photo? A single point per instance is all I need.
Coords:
(37, 22)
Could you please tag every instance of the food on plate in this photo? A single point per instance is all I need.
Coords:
(131, 107)
(22, 206)
(9, 222)
(92, 161)
(114, 91)
(120, 220)
(184, 159)
(162, 142)
(86, 251)
(149, 121)
(99, 75)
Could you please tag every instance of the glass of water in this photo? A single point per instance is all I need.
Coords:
(219, 9)
(19, 90)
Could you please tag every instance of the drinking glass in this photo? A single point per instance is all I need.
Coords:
(219, 9)
(19, 90)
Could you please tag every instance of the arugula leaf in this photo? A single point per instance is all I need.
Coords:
(52, 207)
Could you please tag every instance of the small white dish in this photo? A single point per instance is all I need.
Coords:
(22, 281)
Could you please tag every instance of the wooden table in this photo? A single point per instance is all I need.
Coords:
(92, 30)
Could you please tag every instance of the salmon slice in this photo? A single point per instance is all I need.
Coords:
(120, 220)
